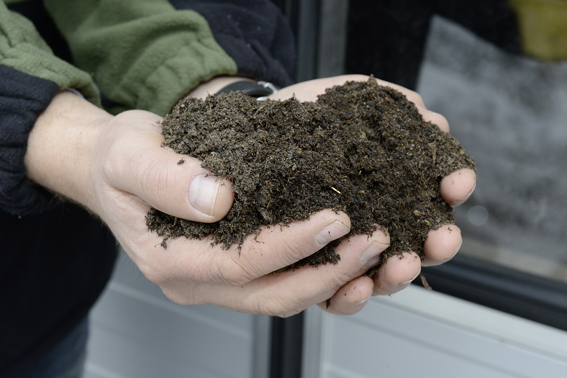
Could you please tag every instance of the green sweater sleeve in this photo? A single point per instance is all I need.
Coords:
(23, 49)
(143, 54)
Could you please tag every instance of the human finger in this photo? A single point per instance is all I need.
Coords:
(272, 249)
(441, 245)
(287, 293)
(351, 298)
(276, 247)
(308, 91)
(457, 187)
(411, 95)
(428, 115)
(190, 264)
(397, 273)
(435, 118)
(174, 184)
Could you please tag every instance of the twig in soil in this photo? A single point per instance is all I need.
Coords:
(424, 282)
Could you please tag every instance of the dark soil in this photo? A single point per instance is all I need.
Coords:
(361, 148)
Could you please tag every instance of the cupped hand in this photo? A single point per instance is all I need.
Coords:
(441, 244)
(133, 172)
(117, 168)
(130, 172)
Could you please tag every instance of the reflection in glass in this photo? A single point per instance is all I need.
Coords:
(509, 113)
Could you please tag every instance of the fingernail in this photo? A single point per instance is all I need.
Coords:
(360, 303)
(203, 193)
(332, 232)
(453, 255)
(465, 198)
(371, 256)
(410, 281)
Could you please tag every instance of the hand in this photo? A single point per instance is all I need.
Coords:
(441, 244)
(116, 167)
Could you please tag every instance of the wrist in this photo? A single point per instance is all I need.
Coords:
(61, 147)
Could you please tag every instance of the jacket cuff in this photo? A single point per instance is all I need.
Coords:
(22, 48)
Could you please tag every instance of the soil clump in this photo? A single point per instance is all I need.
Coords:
(361, 148)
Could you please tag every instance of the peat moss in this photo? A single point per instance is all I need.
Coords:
(361, 148)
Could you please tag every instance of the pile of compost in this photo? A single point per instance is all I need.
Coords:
(361, 148)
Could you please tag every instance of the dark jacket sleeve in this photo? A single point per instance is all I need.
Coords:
(254, 33)
(30, 76)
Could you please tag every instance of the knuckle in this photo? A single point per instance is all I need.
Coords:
(153, 274)
(413, 97)
(186, 299)
(113, 162)
(436, 118)
(417, 98)
(292, 249)
(156, 180)
(442, 122)
(441, 118)
(342, 277)
(234, 271)
(278, 306)
(288, 314)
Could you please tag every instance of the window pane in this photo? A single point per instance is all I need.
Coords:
(510, 114)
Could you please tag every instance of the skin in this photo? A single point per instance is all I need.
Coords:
(115, 167)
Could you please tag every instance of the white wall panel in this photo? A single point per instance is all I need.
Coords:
(428, 334)
(137, 332)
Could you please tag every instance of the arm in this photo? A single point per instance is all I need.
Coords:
(30, 76)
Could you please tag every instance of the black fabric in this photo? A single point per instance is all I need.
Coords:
(22, 99)
(387, 38)
(53, 267)
(55, 259)
(254, 33)
(491, 20)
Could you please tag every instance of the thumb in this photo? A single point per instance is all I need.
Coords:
(179, 186)
(172, 183)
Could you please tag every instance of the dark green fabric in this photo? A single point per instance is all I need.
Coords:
(23, 49)
(143, 54)
(9, 2)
